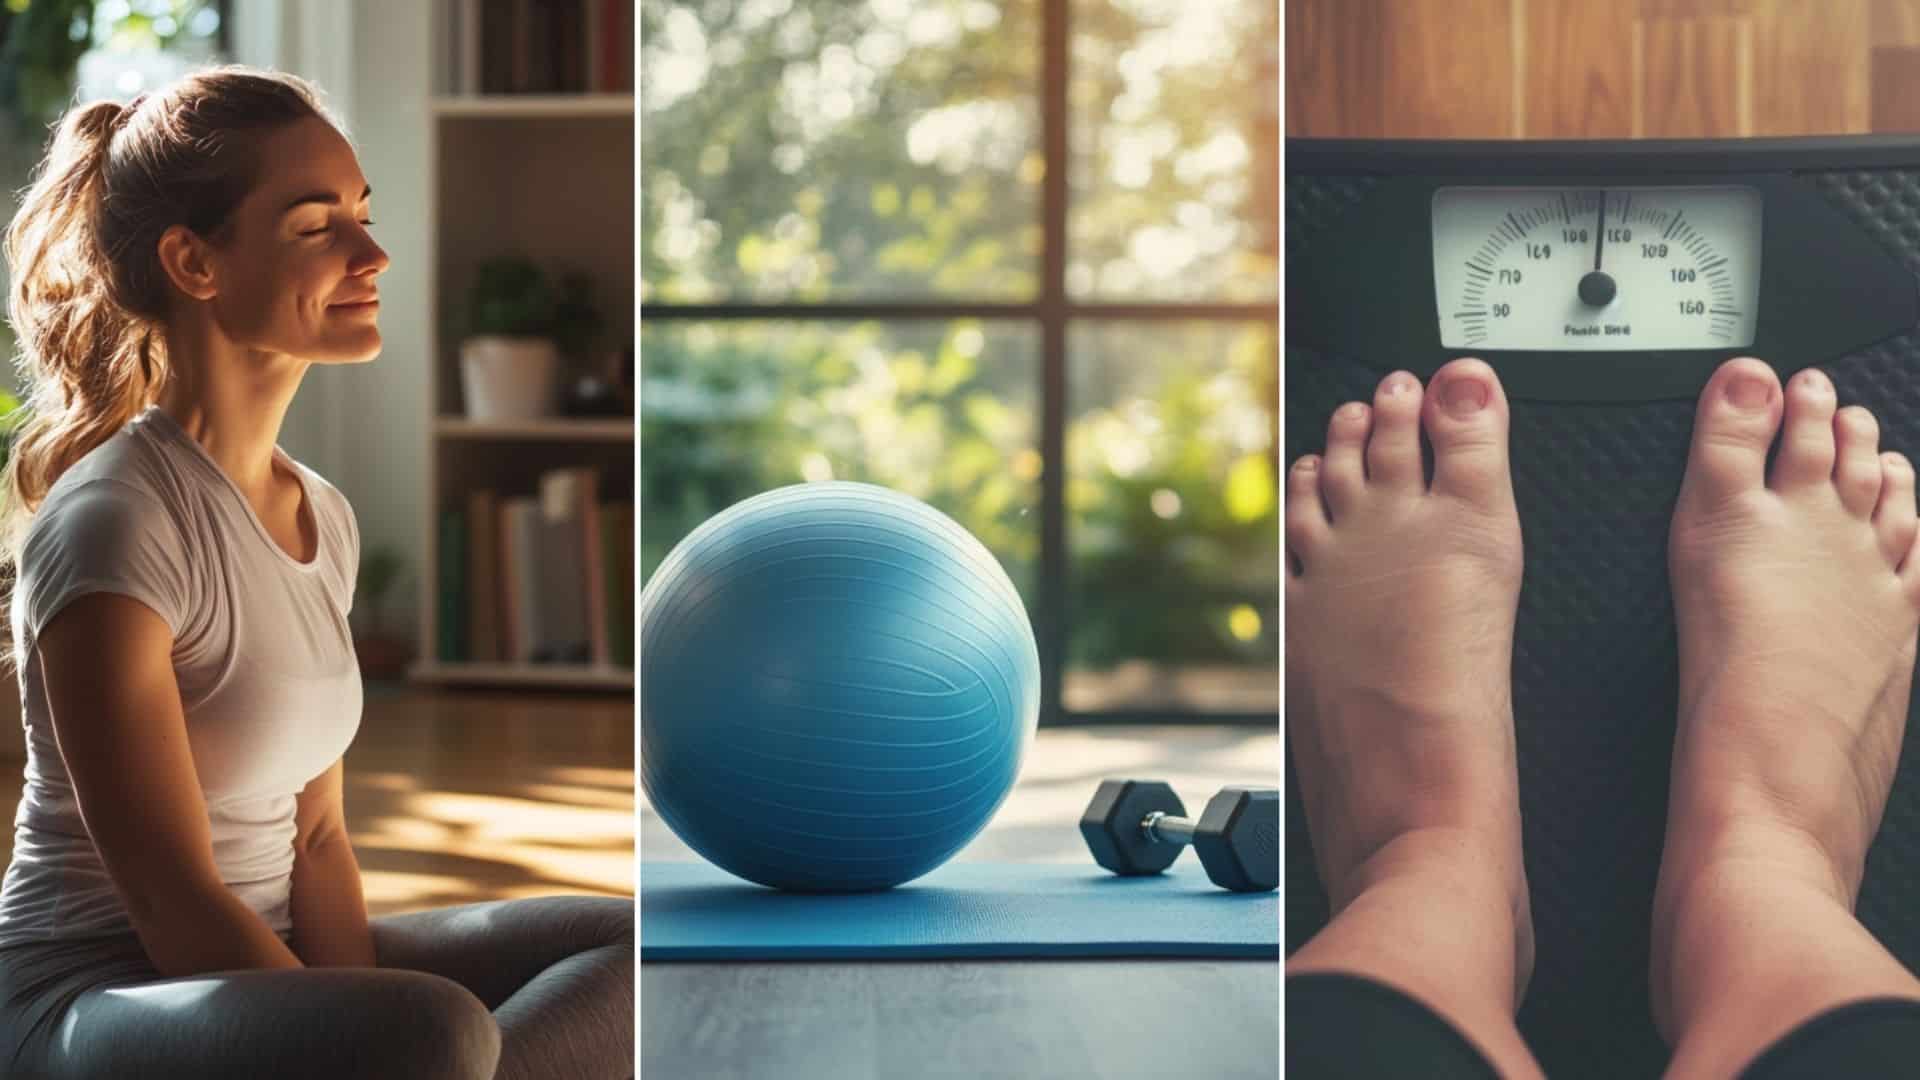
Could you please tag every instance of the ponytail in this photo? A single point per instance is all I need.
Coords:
(88, 364)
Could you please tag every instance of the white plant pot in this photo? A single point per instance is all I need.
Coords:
(510, 378)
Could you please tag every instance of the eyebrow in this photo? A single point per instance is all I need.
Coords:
(327, 197)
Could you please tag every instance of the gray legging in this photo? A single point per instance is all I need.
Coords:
(540, 987)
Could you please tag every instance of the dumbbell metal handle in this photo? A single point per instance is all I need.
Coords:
(1164, 828)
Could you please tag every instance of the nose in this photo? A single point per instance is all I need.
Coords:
(372, 258)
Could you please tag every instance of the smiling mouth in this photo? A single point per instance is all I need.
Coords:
(360, 305)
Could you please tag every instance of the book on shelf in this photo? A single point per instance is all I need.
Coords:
(483, 568)
(537, 46)
(453, 598)
(545, 578)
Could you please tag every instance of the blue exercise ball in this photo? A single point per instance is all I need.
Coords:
(838, 685)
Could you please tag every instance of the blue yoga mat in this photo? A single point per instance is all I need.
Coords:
(966, 910)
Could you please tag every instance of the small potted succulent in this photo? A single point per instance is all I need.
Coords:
(510, 363)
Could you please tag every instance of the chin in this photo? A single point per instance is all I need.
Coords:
(359, 353)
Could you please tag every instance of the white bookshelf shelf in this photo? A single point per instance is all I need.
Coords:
(548, 675)
(530, 105)
(612, 429)
(549, 177)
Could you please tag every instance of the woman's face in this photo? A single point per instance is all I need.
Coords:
(300, 258)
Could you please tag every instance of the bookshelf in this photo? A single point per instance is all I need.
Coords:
(549, 176)
(560, 105)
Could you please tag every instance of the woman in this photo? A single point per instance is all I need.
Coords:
(1797, 600)
(181, 640)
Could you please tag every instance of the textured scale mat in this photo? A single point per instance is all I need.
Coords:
(1595, 661)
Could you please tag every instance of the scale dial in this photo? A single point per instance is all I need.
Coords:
(1583, 269)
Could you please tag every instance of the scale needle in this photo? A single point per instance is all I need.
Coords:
(1600, 240)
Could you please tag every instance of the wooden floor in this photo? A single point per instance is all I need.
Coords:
(1218, 1019)
(454, 797)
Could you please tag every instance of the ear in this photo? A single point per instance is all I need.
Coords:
(188, 262)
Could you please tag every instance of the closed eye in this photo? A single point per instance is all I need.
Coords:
(327, 228)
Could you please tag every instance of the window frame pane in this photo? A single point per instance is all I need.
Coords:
(1054, 311)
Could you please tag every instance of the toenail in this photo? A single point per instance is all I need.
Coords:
(1305, 464)
(1749, 391)
(1814, 381)
(1353, 410)
(1465, 396)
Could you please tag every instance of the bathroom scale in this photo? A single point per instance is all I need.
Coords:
(1604, 281)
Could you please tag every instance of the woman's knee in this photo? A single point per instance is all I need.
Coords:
(597, 921)
(620, 922)
(441, 1029)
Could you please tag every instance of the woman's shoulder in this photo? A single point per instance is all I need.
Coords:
(118, 473)
(91, 507)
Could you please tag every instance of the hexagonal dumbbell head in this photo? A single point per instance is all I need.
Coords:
(1111, 825)
(1238, 839)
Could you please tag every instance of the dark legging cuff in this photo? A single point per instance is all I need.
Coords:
(1348, 1026)
(1862, 1040)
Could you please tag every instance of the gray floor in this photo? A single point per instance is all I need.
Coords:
(999, 1018)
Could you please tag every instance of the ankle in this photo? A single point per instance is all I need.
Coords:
(1714, 875)
(1476, 854)
(1754, 946)
(1749, 831)
(1469, 863)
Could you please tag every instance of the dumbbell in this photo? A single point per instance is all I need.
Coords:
(1139, 827)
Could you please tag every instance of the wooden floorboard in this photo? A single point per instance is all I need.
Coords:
(458, 797)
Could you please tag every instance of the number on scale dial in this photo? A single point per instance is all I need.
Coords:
(1584, 268)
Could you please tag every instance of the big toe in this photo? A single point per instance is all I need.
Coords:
(1467, 421)
(1738, 415)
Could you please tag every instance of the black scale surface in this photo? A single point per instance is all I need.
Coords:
(1595, 663)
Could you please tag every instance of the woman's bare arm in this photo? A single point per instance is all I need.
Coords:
(330, 927)
(117, 716)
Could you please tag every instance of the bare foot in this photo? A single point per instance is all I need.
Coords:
(1797, 602)
(1400, 641)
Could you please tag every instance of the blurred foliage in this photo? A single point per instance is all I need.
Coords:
(1172, 493)
(42, 41)
(805, 150)
(380, 568)
(942, 412)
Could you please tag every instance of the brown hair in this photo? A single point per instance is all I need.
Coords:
(88, 297)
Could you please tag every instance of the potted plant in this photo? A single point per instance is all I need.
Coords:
(509, 360)
(382, 653)
(577, 326)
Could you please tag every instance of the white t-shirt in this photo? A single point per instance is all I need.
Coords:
(261, 648)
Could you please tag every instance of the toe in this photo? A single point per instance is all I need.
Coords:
(1307, 527)
(1466, 418)
(1857, 468)
(1893, 516)
(1393, 450)
(1343, 475)
(1806, 439)
(1728, 455)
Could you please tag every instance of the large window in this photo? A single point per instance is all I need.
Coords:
(1016, 258)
